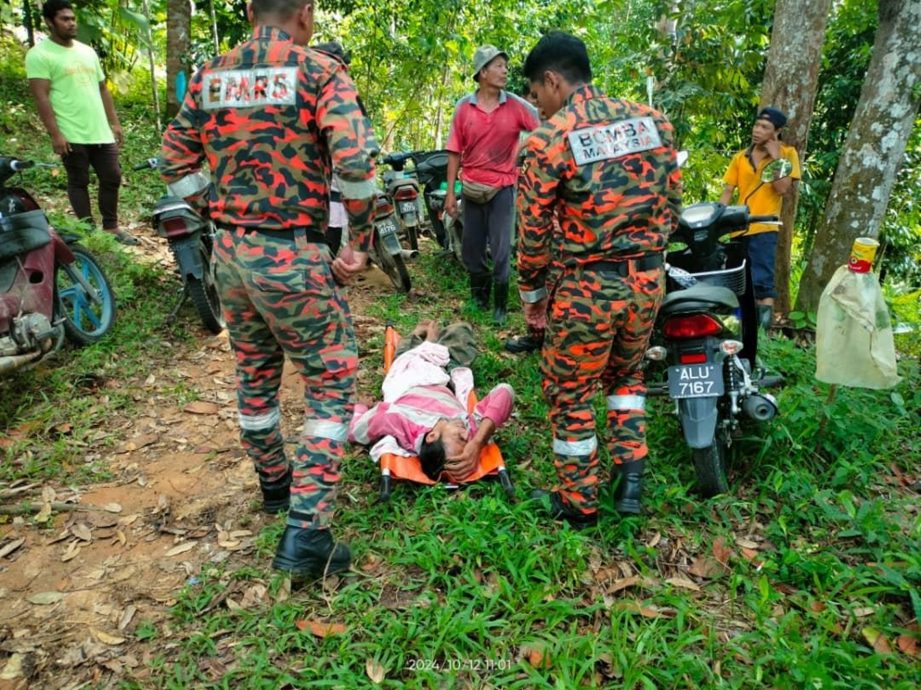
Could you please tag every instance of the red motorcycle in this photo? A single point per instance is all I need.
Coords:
(50, 287)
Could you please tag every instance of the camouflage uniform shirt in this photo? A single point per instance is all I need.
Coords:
(606, 170)
(274, 119)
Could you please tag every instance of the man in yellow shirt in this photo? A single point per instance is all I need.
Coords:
(762, 198)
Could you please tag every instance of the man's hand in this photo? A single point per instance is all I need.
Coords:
(348, 264)
(772, 146)
(60, 145)
(119, 136)
(451, 204)
(535, 315)
(461, 466)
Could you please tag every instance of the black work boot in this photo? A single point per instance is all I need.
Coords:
(524, 343)
(479, 289)
(627, 484)
(307, 552)
(276, 495)
(551, 503)
(765, 315)
(500, 300)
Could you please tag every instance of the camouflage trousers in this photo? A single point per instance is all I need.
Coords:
(458, 338)
(598, 328)
(279, 298)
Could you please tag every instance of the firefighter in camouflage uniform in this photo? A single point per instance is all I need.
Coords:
(607, 170)
(275, 120)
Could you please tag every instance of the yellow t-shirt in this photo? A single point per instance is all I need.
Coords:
(764, 201)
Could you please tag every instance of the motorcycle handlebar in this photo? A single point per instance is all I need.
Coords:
(17, 165)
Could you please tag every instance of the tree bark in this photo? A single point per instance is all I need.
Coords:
(178, 43)
(790, 82)
(874, 148)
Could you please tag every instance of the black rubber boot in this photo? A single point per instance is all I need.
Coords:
(524, 343)
(306, 552)
(276, 496)
(765, 315)
(551, 503)
(628, 487)
(500, 300)
(479, 289)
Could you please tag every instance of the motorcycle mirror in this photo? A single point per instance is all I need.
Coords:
(776, 170)
(682, 158)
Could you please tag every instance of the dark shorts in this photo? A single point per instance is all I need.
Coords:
(761, 250)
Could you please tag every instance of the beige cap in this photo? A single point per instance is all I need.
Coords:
(483, 56)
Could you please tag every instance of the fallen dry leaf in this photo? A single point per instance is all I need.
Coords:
(45, 598)
(126, 616)
(11, 547)
(13, 668)
(908, 644)
(721, 552)
(201, 407)
(877, 640)
(112, 507)
(82, 532)
(864, 611)
(623, 583)
(684, 583)
(647, 611)
(320, 628)
(181, 548)
(72, 550)
(706, 567)
(746, 543)
(375, 671)
(106, 638)
(284, 591)
(536, 656)
(654, 540)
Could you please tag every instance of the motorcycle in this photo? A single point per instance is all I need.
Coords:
(385, 250)
(51, 288)
(453, 227)
(706, 333)
(403, 188)
(191, 240)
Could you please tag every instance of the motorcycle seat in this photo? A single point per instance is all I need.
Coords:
(698, 298)
(23, 232)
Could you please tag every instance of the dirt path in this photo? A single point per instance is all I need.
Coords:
(74, 595)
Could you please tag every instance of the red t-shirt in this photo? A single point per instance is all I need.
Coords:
(488, 142)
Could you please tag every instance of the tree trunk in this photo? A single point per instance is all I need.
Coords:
(28, 20)
(874, 148)
(178, 42)
(790, 80)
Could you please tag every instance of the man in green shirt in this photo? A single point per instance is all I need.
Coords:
(76, 108)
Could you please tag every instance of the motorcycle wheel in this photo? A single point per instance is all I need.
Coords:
(204, 294)
(710, 464)
(412, 234)
(457, 241)
(85, 321)
(394, 267)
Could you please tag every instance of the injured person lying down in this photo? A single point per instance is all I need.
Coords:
(424, 411)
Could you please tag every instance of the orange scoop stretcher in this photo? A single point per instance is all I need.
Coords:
(410, 468)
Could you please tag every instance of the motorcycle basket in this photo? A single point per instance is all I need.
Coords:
(732, 278)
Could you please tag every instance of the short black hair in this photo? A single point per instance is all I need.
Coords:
(51, 8)
(282, 9)
(559, 52)
(432, 457)
(334, 49)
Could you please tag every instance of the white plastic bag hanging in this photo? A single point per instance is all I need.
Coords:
(854, 344)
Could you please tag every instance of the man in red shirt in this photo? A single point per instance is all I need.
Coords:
(483, 143)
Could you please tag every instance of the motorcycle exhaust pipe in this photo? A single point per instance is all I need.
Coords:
(409, 254)
(760, 407)
(13, 362)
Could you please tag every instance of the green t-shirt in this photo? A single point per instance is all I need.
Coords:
(74, 74)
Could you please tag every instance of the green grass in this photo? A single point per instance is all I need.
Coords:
(468, 590)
